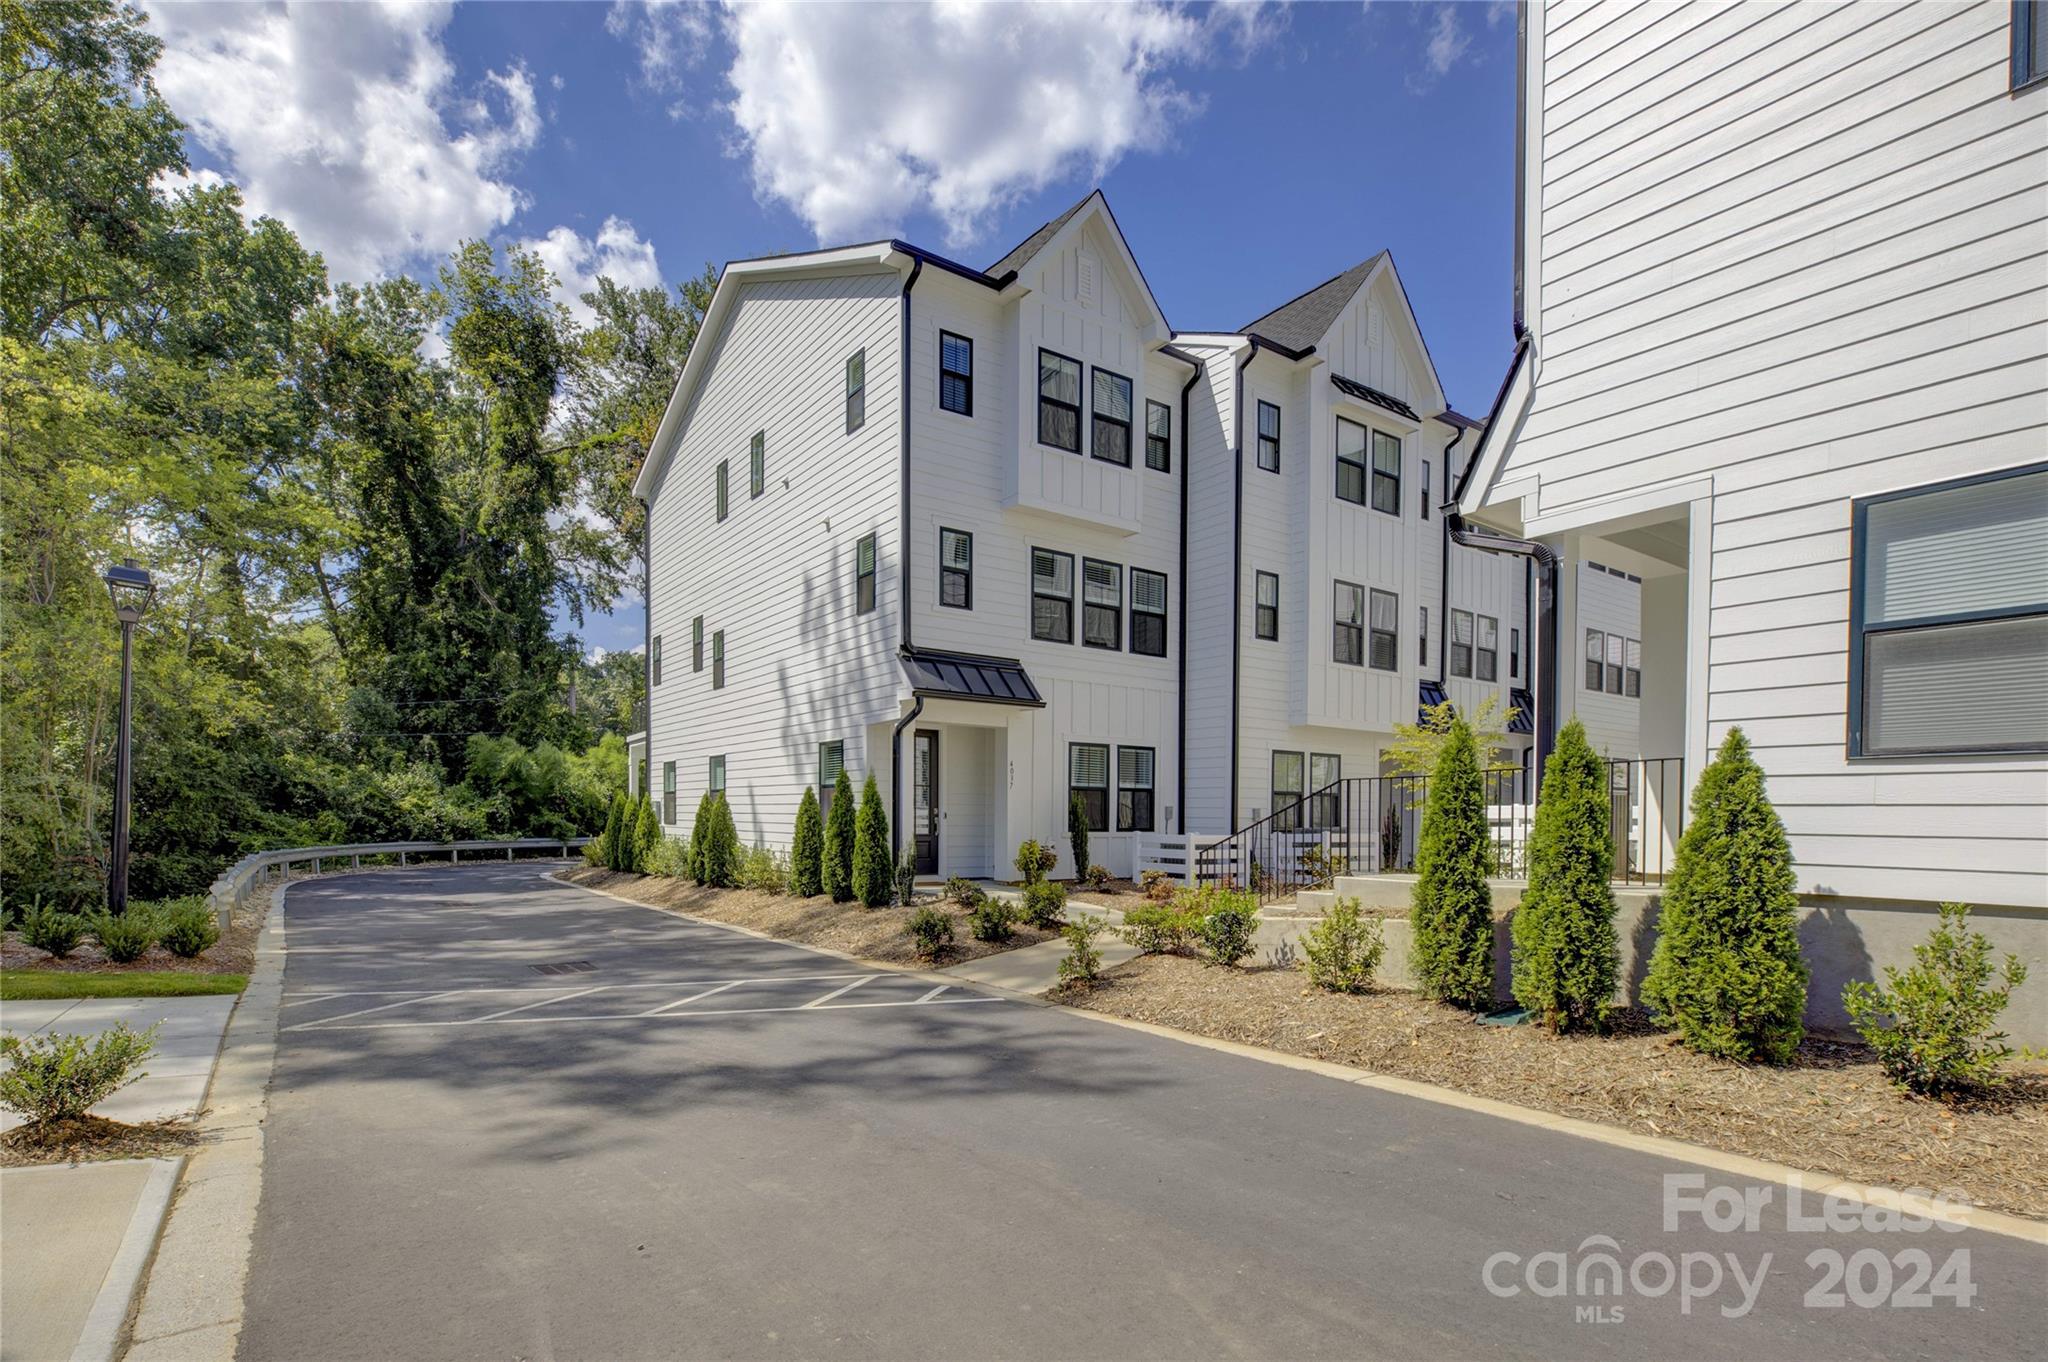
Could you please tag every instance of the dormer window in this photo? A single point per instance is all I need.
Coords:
(1059, 401)
(1110, 440)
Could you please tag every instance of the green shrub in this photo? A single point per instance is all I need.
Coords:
(931, 932)
(1322, 865)
(670, 857)
(721, 859)
(1161, 929)
(593, 851)
(125, 937)
(1077, 833)
(1567, 957)
(1082, 962)
(1157, 884)
(1045, 903)
(1099, 877)
(646, 835)
(1727, 972)
(1452, 916)
(61, 1077)
(807, 848)
(603, 850)
(702, 839)
(839, 834)
(1229, 919)
(46, 929)
(1931, 1025)
(1342, 952)
(1035, 860)
(964, 892)
(874, 870)
(991, 919)
(187, 926)
(763, 868)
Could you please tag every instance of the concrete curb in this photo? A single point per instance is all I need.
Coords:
(1736, 1165)
(100, 1339)
(192, 1304)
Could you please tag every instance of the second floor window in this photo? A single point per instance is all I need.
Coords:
(1617, 648)
(1052, 596)
(668, 793)
(856, 390)
(956, 569)
(1088, 777)
(1422, 653)
(1351, 439)
(1059, 401)
(1110, 440)
(757, 464)
(1461, 643)
(1632, 669)
(1269, 437)
(654, 660)
(1347, 641)
(1514, 653)
(1386, 473)
(1102, 604)
(1425, 489)
(1487, 665)
(722, 471)
(714, 778)
(1596, 650)
(1148, 613)
(1385, 644)
(1266, 605)
(956, 373)
(1134, 789)
(718, 660)
(697, 644)
(864, 575)
(1158, 437)
(831, 761)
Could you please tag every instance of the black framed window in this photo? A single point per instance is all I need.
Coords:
(722, 472)
(1148, 613)
(1596, 649)
(654, 660)
(1347, 641)
(1102, 604)
(714, 776)
(1425, 489)
(856, 390)
(1632, 669)
(1351, 442)
(1486, 662)
(1269, 437)
(2029, 42)
(864, 575)
(1461, 643)
(668, 793)
(1385, 643)
(1158, 437)
(1386, 473)
(757, 464)
(1514, 654)
(1134, 789)
(956, 569)
(956, 374)
(1266, 605)
(1325, 769)
(697, 644)
(1109, 438)
(1615, 652)
(1088, 777)
(718, 660)
(831, 761)
(1948, 618)
(1052, 596)
(1059, 401)
(1287, 792)
(1422, 634)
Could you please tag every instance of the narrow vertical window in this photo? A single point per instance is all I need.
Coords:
(1632, 669)
(956, 569)
(1425, 489)
(1266, 605)
(2029, 41)
(1102, 604)
(1148, 613)
(1386, 632)
(1347, 642)
(1596, 648)
(1059, 401)
(718, 660)
(1325, 800)
(831, 761)
(1422, 633)
(1052, 596)
(1110, 435)
(1351, 440)
(1614, 654)
(956, 374)
(1386, 473)
(1088, 777)
(1287, 791)
(1461, 643)
(1487, 665)
(757, 464)
(1514, 654)
(1134, 788)
(714, 779)
(721, 508)
(668, 793)
(1159, 437)
(1269, 437)
(697, 644)
(864, 575)
(856, 390)
(654, 661)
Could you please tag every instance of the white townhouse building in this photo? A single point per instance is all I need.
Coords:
(1000, 536)
(1782, 303)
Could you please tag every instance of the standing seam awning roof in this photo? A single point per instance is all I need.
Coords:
(1353, 388)
(1431, 693)
(1524, 720)
(964, 676)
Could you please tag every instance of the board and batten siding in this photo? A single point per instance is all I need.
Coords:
(1798, 249)
(1212, 475)
(801, 667)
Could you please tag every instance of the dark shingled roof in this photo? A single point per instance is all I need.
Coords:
(964, 676)
(1031, 245)
(1304, 321)
(1353, 388)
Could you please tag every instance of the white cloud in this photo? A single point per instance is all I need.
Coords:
(1448, 41)
(347, 122)
(576, 261)
(671, 38)
(856, 116)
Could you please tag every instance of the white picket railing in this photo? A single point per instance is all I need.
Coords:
(1174, 852)
(231, 890)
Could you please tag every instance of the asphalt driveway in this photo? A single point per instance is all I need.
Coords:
(513, 1119)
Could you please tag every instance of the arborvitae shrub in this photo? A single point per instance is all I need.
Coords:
(1727, 973)
(1567, 957)
(1077, 834)
(874, 877)
(807, 848)
(1452, 916)
(838, 865)
(647, 835)
(722, 860)
(607, 843)
(700, 837)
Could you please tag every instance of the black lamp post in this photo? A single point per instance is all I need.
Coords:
(131, 589)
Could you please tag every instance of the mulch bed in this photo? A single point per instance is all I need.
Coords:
(234, 953)
(1831, 1110)
(87, 1139)
(870, 933)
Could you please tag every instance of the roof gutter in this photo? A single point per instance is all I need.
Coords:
(1180, 751)
(1543, 678)
(903, 558)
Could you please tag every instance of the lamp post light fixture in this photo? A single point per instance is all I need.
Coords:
(131, 589)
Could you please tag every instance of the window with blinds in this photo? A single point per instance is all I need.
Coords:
(1347, 639)
(1102, 604)
(718, 660)
(1266, 605)
(697, 644)
(1486, 661)
(1632, 669)
(1148, 613)
(856, 390)
(1110, 439)
(1615, 652)
(1158, 437)
(1088, 777)
(1386, 473)
(1269, 437)
(1949, 618)
(1325, 799)
(1461, 643)
(956, 569)
(864, 575)
(1287, 791)
(956, 374)
(1052, 596)
(1350, 461)
(1134, 789)
(668, 793)
(1596, 648)
(1384, 647)
(1059, 401)
(831, 761)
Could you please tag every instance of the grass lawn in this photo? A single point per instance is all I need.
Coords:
(20, 986)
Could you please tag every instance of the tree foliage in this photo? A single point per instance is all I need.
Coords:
(807, 848)
(1452, 911)
(874, 879)
(839, 834)
(1418, 746)
(1567, 956)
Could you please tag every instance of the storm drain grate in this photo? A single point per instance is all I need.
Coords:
(564, 967)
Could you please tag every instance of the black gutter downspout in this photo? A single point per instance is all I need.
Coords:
(1544, 682)
(1180, 757)
(903, 591)
(1237, 573)
(1445, 512)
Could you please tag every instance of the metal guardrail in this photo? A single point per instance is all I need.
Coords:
(231, 890)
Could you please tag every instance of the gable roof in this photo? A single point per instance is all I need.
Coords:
(1020, 255)
(1302, 322)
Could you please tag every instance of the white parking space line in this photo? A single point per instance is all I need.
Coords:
(316, 994)
(545, 1019)
(528, 1007)
(820, 1002)
(934, 993)
(656, 1012)
(381, 1007)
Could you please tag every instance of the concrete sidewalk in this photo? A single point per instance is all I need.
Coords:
(77, 1238)
(1035, 969)
(177, 1072)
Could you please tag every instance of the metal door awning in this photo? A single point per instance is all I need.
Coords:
(966, 676)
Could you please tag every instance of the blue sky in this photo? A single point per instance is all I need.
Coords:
(1249, 150)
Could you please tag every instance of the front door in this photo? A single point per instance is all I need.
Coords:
(924, 800)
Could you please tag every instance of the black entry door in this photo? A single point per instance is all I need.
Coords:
(924, 813)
